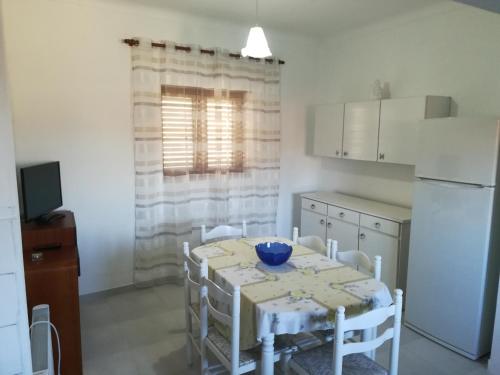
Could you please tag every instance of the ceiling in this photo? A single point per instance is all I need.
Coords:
(312, 17)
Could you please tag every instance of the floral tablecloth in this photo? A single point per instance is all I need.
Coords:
(301, 295)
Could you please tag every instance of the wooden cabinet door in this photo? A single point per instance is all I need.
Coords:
(361, 124)
(377, 243)
(313, 224)
(328, 130)
(344, 232)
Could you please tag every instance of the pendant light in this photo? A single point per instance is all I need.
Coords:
(256, 43)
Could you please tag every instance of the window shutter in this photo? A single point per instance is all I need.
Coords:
(177, 119)
(202, 131)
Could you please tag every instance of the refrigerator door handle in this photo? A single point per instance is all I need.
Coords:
(453, 185)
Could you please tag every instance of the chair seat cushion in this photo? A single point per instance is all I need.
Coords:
(224, 346)
(246, 356)
(320, 361)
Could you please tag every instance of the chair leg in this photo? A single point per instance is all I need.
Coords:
(367, 335)
(285, 358)
(203, 359)
(267, 361)
(189, 350)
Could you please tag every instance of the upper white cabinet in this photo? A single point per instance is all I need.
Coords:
(384, 131)
(361, 121)
(398, 125)
(328, 130)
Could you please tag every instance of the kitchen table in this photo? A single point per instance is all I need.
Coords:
(301, 295)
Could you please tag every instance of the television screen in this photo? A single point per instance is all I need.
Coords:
(41, 189)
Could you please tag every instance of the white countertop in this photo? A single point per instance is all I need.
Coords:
(366, 206)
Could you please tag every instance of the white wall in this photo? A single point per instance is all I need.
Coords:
(70, 79)
(447, 49)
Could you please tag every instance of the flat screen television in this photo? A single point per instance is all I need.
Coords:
(41, 191)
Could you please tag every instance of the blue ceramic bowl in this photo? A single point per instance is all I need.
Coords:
(277, 253)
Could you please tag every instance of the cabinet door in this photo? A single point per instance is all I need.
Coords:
(398, 129)
(361, 123)
(377, 243)
(328, 129)
(313, 224)
(344, 232)
(399, 119)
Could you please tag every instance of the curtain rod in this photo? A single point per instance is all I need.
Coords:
(135, 42)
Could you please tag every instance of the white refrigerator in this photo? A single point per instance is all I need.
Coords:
(454, 245)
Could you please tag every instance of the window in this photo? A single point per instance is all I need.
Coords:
(202, 130)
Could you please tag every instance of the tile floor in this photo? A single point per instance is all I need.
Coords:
(141, 332)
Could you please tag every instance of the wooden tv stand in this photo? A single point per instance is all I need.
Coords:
(53, 280)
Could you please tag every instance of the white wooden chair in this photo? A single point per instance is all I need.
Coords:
(347, 358)
(312, 242)
(222, 231)
(193, 274)
(215, 303)
(355, 258)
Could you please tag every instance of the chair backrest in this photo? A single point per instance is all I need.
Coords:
(355, 258)
(369, 320)
(312, 242)
(222, 231)
(193, 273)
(212, 297)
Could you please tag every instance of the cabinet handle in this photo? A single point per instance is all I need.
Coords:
(377, 225)
(362, 236)
(381, 156)
(346, 153)
(337, 152)
(322, 221)
(342, 214)
(313, 206)
(329, 225)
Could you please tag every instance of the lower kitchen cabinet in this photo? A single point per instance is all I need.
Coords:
(373, 227)
(314, 224)
(375, 243)
(344, 232)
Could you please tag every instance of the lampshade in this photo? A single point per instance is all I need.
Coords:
(256, 44)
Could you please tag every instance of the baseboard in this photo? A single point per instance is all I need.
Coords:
(127, 288)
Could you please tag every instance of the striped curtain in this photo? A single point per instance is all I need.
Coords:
(186, 174)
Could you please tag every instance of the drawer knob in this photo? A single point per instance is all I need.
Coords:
(377, 225)
(381, 156)
(341, 214)
(329, 225)
(313, 206)
(362, 236)
(322, 221)
(337, 152)
(346, 153)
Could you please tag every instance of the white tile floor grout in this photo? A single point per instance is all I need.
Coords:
(141, 332)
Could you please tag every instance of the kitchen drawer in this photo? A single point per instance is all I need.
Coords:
(10, 354)
(308, 204)
(8, 291)
(343, 214)
(381, 225)
(7, 248)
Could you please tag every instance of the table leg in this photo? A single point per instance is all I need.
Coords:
(267, 360)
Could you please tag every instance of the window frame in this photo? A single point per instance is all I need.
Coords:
(199, 97)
